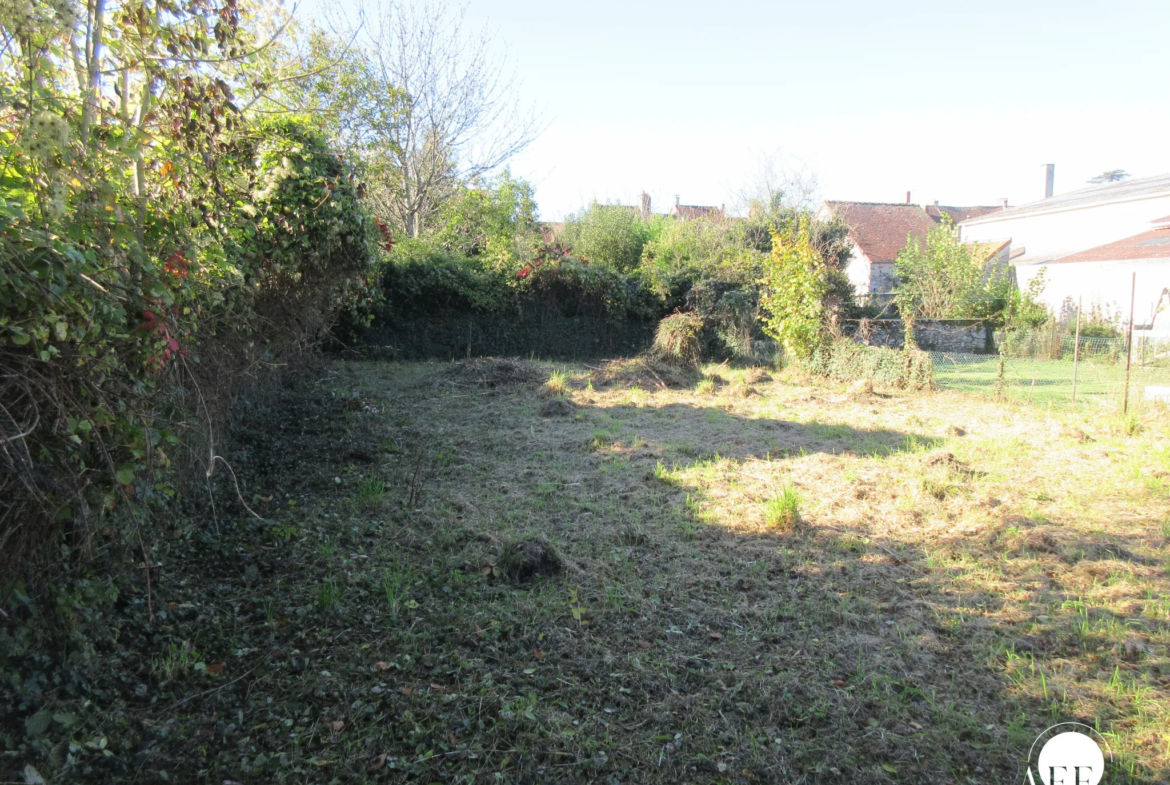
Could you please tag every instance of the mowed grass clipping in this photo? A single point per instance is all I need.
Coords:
(803, 584)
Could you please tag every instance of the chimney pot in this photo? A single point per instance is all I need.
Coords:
(1004, 202)
(907, 197)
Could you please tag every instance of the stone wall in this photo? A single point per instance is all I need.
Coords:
(966, 336)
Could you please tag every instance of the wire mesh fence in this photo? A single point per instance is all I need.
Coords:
(1054, 370)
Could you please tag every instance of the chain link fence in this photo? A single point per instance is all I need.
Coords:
(1048, 368)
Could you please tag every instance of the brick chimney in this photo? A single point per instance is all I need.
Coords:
(907, 197)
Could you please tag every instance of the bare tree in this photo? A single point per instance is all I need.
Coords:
(459, 116)
(778, 184)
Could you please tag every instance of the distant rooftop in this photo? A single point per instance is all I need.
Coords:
(1125, 190)
(880, 230)
(1151, 245)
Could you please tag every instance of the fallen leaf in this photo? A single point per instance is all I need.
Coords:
(839, 682)
(381, 666)
(716, 636)
(486, 571)
(215, 669)
(406, 691)
(377, 763)
(337, 726)
(539, 654)
(643, 644)
(889, 768)
(915, 726)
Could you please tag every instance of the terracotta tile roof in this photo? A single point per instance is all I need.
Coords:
(1154, 244)
(692, 211)
(984, 251)
(958, 214)
(881, 230)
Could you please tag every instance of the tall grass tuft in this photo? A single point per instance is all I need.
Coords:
(783, 510)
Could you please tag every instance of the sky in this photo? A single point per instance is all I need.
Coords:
(956, 102)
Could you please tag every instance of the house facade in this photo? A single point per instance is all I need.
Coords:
(1089, 244)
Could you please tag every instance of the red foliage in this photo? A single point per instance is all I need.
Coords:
(551, 253)
(387, 238)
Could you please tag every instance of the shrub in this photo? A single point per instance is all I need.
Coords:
(610, 235)
(794, 289)
(677, 338)
(845, 360)
(111, 339)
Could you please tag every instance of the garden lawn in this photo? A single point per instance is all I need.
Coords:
(960, 575)
(1100, 386)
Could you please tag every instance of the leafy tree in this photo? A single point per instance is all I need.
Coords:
(939, 280)
(1112, 176)
(795, 285)
(612, 235)
(493, 219)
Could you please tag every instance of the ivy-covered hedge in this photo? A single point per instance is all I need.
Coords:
(124, 322)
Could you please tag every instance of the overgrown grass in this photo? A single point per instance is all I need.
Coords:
(964, 574)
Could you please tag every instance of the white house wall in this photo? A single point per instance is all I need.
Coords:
(857, 270)
(1051, 235)
(1103, 284)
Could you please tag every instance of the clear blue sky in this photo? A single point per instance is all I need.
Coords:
(958, 102)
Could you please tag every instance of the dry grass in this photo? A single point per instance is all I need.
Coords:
(932, 613)
(963, 574)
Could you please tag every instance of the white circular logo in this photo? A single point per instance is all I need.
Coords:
(1070, 758)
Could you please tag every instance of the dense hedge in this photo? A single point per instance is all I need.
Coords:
(121, 345)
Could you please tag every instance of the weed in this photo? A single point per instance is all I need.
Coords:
(371, 492)
(558, 382)
(328, 593)
(1129, 423)
(706, 386)
(179, 659)
(783, 510)
(396, 582)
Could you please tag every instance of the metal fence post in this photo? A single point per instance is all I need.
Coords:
(1077, 350)
(1129, 344)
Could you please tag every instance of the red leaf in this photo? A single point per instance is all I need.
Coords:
(216, 669)
(643, 644)
(381, 666)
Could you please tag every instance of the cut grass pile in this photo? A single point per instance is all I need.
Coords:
(964, 574)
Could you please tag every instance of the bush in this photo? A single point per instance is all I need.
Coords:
(609, 235)
(793, 298)
(109, 343)
(677, 338)
(845, 360)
